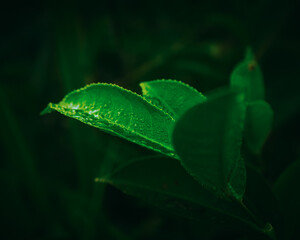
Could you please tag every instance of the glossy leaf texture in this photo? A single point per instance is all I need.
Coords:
(208, 138)
(164, 183)
(259, 120)
(119, 112)
(286, 190)
(247, 75)
(173, 96)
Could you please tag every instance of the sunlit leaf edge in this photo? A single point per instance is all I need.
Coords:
(144, 85)
(169, 151)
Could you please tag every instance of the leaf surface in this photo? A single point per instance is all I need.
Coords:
(259, 120)
(119, 112)
(247, 75)
(174, 97)
(163, 182)
(208, 138)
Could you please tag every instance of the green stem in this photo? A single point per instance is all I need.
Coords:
(267, 228)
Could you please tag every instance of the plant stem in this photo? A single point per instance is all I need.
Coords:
(267, 228)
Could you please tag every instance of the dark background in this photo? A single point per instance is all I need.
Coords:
(48, 48)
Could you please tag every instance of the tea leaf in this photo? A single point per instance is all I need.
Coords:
(119, 112)
(207, 139)
(174, 97)
(286, 190)
(259, 119)
(164, 183)
(248, 76)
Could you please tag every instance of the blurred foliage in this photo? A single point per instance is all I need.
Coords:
(49, 48)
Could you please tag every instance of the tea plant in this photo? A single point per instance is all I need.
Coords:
(202, 170)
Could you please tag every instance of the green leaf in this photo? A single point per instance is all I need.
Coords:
(248, 76)
(119, 112)
(208, 138)
(164, 183)
(259, 120)
(174, 97)
(286, 190)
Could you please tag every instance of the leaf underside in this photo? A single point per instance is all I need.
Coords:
(259, 120)
(207, 139)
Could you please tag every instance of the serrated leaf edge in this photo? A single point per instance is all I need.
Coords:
(142, 84)
(62, 110)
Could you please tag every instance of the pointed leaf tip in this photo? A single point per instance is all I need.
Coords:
(119, 112)
(247, 76)
(46, 110)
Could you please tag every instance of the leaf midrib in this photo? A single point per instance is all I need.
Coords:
(121, 182)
